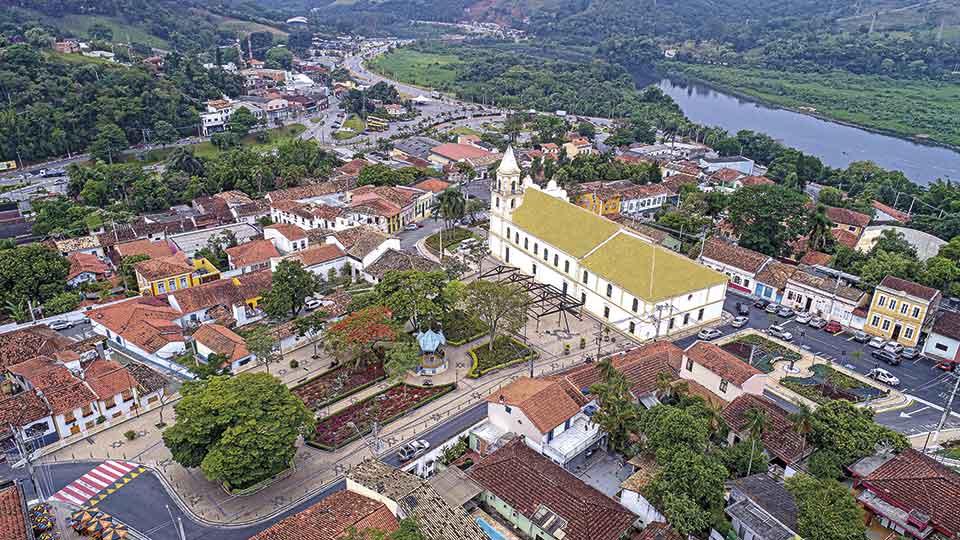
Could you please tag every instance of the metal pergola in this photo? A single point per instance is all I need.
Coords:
(543, 300)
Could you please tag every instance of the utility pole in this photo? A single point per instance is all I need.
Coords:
(28, 457)
(946, 412)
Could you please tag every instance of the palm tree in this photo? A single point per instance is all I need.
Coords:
(802, 423)
(450, 206)
(606, 369)
(182, 159)
(756, 423)
(820, 227)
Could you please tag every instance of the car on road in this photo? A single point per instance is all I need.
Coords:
(740, 322)
(312, 302)
(910, 353)
(861, 337)
(833, 327)
(411, 227)
(743, 309)
(778, 331)
(877, 342)
(884, 376)
(60, 324)
(786, 312)
(761, 303)
(412, 449)
(947, 365)
(893, 347)
(709, 333)
(803, 317)
(886, 356)
(817, 322)
(772, 308)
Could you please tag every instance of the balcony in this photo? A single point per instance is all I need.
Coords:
(580, 436)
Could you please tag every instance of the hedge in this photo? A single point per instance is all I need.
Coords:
(477, 371)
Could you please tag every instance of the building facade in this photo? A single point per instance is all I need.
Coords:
(899, 310)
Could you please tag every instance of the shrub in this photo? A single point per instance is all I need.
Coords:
(294, 364)
(130, 434)
(101, 419)
(583, 343)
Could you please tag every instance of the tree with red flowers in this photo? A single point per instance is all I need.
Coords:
(359, 333)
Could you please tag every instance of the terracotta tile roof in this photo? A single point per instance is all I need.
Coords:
(399, 196)
(845, 237)
(458, 152)
(68, 397)
(775, 274)
(433, 185)
(902, 217)
(252, 253)
(675, 181)
(779, 436)
(828, 285)
(360, 241)
(733, 255)
(13, 517)
(846, 216)
(303, 192)
(331, 518)
(42, 372)
(255, 208)
(149, 380)
(657, 531)
(234, 197)
(147, 322)
(353, 167)
(756, 181)
(640, 367)
(947, 324)
(107, 378)
(545, 403)
(147, 247)
(914, 482)
(646, 190)
(164, 267)
(70, 245)
(816, 258)
(726, 175)
(375, 207)
(23, 344)
(338, 303)
(909, 287)
(255, 284)
(221, 340)
(205, 296)
(21, 410)
(645, 468)
(317, 254)
(529, 482)
(719, 361)
(396, 261)
(308, 211)
(290, 232)
(139, 229)
(85, 262)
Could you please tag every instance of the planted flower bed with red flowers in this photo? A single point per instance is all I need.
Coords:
(335, 431)
(337, 384)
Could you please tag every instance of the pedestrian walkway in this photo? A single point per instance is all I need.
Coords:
(102, 477)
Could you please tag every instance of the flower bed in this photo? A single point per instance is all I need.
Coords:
(384, 407)
(337, 384)
(460, 328)
(766, 353)
(828, 384)
(506, 352)
(451, 238)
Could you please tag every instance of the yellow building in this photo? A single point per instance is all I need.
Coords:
(900, 309)
(603, 198)
(164, 275)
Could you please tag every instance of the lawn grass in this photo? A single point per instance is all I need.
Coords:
(122, 30)
(208, 150)
(415, 67)
(60, 57)
(907, 108)
(451, 238)
(463, 130)
(506, 352)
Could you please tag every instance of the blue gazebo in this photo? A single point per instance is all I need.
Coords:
(433, 359)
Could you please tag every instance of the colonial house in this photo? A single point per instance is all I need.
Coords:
(145, 326)
(785, 447)
(114, 386)
(393, 260)
(623, 279)
(151, 386)
(823, 296)
(30, 416)
(285, 237)
(721, 372)
(233, 301)
(363, 246)
(550, 503)
(402, 197)
(431, 187)
(214, 339)
(451, 153)
(333, 518)
(848, 220)
(252, 256)
(944, 339)
(320, 260)
(167, 274)
(771, 281)
(603, 198)
(308, 215)
(642, 201)
(85, 268)
(739, 264)
(89, 245)
(631, 497)
(901, 309)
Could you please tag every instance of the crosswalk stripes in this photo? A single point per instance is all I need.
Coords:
(105, 476)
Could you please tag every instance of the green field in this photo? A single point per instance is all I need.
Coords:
(238, 25)
(207, 149)
(122, 30)
(353, 126)
(907, 108)
(415, 67)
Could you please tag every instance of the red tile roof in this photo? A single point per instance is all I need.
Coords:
(733, 255)
(779, 437)
(13, 519)
(814, 258)
(776, 274)
(164, 267)
(85, 263)
(657, 531)
(21, 410)
(42, 372)
(845, 237)
(150, 248)
(303, 192)
(290, 232)
(902, 217)
(914, 482)
(909, 287)
(69, 397)
(147, 322)
(252, 253)
(221, 340)
(846, 216)
(641, 367)
(317, 254)
(107, 379)
(719, 361)
(458, 152)
(756, 181)
(947, 324)
(545, 403)
(726, 175)
(221, 292)
(332, 518)
(528, 482)
(434, 185)
(23, 344)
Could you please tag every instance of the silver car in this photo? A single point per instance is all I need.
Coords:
(739, 322)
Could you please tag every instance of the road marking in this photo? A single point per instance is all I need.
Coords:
(92, 483)
(90, 478)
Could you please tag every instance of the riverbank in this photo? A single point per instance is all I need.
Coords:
(921, 112)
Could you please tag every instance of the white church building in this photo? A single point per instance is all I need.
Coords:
(623, 279)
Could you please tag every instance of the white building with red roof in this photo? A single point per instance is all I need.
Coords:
(286, 237)
(251, 256)
(215, 339)
(85, 267)
(720, 372)
(450, 153)
(146, 326)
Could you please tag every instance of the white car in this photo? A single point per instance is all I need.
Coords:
(709, 333)
(312, 302)
(60, 324)
(877, 343)
(893, 347)
(883, 376)
(778, 331)
(803, 318)
(739, 322)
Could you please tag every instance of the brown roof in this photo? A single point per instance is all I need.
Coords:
(776, 274)
(340, 301)
(291, 232)
(779, 437)
(26, 343)
(107, 378)
(164, 267)
(207, 295)
(375, 207)
(646, 190)
(42, 372)
(68, 397)
(845, 237)
(815, 258)
(915, 482)
(947, 324)
(719, 361)
(255, 284)
(909, 287)
(21, 410)
(147, 322)
(360, 241)
(822, 283)
(529, 482)
(308, 210)
(675, 181)
(640, 367)
(902, 217)
(846, 216)
(85, 263)
(331, 518)
(13, 518)
(392, 260)
(317, 254)
(252, 253)
(756, 181)
(221, 340)
(458, 152)
(148, 379)
(545, 403)
(733, 255)
(434, 185)
(726, 175)
(160, 248)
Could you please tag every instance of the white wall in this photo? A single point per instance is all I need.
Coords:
(711, 381)
(515, 421)
(636, 503)
(941, 346)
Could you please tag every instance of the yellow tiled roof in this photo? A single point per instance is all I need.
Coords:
(568, 227)
(631, 263)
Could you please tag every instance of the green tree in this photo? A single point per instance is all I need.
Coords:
(109, 142)
(239, 430)
(359, 334)
(216, 249)
(128, 272)
(502, 307)
(939, 273)
(617, 416)
(61, 303)
(881, 264)
(830, 196)
(668, 429)
(415, 296)
(183, 159)
(827, 509)
(850, 431)
(164, 132)
(401, 358)
(292, 285)
(279, 58)
(689, 488)
(263, 344)
(821, 229)
(449, 206)
(32, 273)
(39, 38)
(241, 122)
(768, 218)
(744, 458)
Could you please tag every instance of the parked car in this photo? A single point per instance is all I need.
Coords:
(910, 353)
(406, 452)
(427, 383)
(739, 322)
(420, 445)
(833, 327)
(60, 324)
(803, 317)
(778, 331)
(761, 303)
(883, 376)
(772, 308)
(817, 322)
(312, 302)
(877, 342)
(861, 337)
(886, 356)
(947, 366)
(893, 347)
(708, 334)
(743, 309)
(785, 311)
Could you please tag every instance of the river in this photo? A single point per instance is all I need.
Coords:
(835, 144)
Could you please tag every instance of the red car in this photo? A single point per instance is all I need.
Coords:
(947, 365)
(833, 327)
